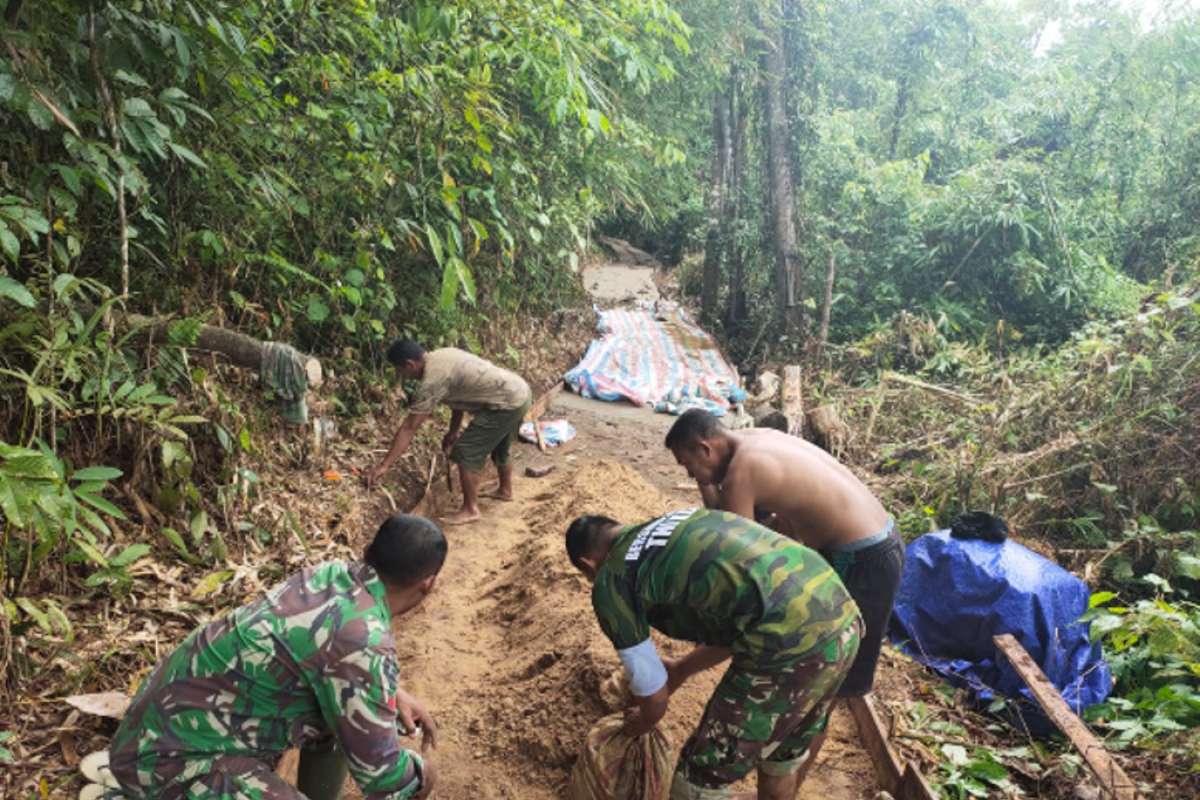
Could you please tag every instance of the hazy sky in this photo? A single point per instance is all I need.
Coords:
(1147, 11)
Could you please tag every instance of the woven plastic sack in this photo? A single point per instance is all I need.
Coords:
(614, 766)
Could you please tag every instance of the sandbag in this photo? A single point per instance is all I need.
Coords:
(614, 766)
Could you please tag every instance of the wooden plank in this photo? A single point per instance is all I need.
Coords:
(914, 786)
(542, 403)
(899, 778)
(793, 401)
(887, 765)
(1113, 780)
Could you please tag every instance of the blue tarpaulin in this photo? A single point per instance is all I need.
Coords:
(956, 594)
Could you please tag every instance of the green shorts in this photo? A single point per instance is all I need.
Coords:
(763, 719)
(490, 432)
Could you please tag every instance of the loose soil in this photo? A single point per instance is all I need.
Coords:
(506, 652)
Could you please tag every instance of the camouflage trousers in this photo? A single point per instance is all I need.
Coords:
(321, 775)
(763, 719)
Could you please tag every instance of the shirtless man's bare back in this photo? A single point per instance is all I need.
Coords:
(819, 501)
(814, 498)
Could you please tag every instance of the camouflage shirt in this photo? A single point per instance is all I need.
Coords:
(466, 382)
(315, 656)
(714, 578)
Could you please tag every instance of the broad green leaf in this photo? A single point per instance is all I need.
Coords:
(172, 536)
(136, 107)
(96, 474)
(39, 616)
(132, 78)
(71, 179)
(92, 552)
(186, 154)
(10, 243)
(8, 287)
(987, 771)
(317, 311)
(129, 555)
(211, 583)
(435, 246)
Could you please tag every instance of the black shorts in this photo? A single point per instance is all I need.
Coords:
(872, 575)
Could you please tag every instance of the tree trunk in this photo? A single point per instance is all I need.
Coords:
(823, 338)
(789, 277)
(733, 196)
(242, 351)
(714, 244)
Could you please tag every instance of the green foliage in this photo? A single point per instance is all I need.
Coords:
(51, 509)
(354, 170)
(1153, 648)
(972, 773)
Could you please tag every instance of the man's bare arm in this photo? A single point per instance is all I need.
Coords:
(737, 492)
(400, 442)
(641, 718)
(710, 494)
(456, 418)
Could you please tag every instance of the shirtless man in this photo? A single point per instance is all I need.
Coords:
(815, 500)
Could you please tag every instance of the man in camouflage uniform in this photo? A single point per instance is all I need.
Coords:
(739, 590)
(313, 665)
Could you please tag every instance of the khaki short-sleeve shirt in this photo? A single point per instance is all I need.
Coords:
(466, 382)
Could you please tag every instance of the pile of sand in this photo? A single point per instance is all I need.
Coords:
(538, 708)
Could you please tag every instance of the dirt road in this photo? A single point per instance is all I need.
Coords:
(506, 653)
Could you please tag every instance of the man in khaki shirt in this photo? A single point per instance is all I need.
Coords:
(496, 398)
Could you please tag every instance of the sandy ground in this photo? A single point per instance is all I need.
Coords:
(506, 653)
(615, 284)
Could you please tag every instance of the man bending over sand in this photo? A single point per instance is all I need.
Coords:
(739, 591)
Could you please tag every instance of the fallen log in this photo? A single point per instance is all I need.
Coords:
(1114, 783)
(240, 350)
(929, 387)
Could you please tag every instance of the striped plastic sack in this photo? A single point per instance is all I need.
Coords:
(614, 766)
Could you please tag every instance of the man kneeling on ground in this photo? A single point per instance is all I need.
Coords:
(738, 590)
(313, 665)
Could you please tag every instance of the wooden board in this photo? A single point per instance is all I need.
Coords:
(542, 403)
(1114, 783)
(899, 778)
(887, 765)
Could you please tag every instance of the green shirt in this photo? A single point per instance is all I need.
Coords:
(715, 578)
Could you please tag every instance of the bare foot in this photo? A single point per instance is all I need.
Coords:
(460, 518)
(496, 494)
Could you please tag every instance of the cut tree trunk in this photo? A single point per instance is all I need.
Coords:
(823, 336)
(789, 271)
(241, 350)
(793, 400)
(714, 243)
